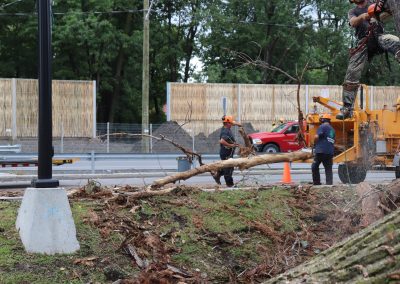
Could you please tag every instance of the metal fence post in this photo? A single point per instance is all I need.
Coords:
(92, 161)
(151, 138)
(307, 100)
(62, 138)
(371, 98)
(108, 137)
(14, 109)
(239, 111)
(94, 110)
(192, 141)
(168, 101)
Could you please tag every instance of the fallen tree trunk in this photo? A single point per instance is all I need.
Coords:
(370, 256)
(241, 163)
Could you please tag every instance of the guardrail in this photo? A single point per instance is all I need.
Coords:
(93, 157)
(10, 148)
(104, 156)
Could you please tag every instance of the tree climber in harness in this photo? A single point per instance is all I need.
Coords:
(371, 41)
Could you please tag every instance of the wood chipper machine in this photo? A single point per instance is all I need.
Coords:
(370, 139)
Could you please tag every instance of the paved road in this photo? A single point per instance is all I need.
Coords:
(144, 171)
(151, 163)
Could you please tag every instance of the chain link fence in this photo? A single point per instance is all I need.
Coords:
(127, 138)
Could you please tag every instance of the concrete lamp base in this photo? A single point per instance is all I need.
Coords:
(45, 222)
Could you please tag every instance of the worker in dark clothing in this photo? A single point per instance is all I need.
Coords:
(323, 150)
(371, 41)
(227, 149)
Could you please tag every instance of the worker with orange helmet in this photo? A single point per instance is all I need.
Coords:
(227, 149)
(323, 150)
(371, 41)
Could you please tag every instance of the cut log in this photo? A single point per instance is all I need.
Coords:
(370, 256)
(241, 163)
(370, 200)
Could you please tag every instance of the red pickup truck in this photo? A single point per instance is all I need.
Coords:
(281, 139)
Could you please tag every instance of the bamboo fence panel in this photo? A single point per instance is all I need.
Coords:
(72, 105)
(27, 108)
(188, 102)
(257, 104)
(72, 108)
(331, 92)
(5, 107)
(200, 104)
(262, 106)
(385, 96)
(215, 95)
(260, 114)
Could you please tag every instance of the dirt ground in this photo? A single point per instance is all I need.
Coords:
(237, 236)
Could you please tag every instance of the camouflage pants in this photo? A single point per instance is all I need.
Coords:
(386, 42)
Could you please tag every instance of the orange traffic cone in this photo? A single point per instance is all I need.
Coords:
(286, 174)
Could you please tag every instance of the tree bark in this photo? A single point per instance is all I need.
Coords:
(370, 256)
(241, 163)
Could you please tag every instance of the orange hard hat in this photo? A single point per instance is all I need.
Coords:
(326, 116)
(228, 118)
(372, 9)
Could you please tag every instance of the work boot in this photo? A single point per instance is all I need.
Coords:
(217, 177)
(345, 112)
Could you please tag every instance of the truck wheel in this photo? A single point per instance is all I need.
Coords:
(343, 174)
(359, 174)
(397, 172)
(353, 174)
(270, 148)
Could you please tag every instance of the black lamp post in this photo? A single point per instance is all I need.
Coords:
(46, 150)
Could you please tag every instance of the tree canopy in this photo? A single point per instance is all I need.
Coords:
(102, 40)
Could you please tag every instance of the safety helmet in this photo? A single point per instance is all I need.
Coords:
(281, 119)
(326, 116)
(227, 119)
(373, 10)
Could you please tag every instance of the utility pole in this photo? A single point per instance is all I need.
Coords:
(145, 77)
(44, 222)
(45, 134)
